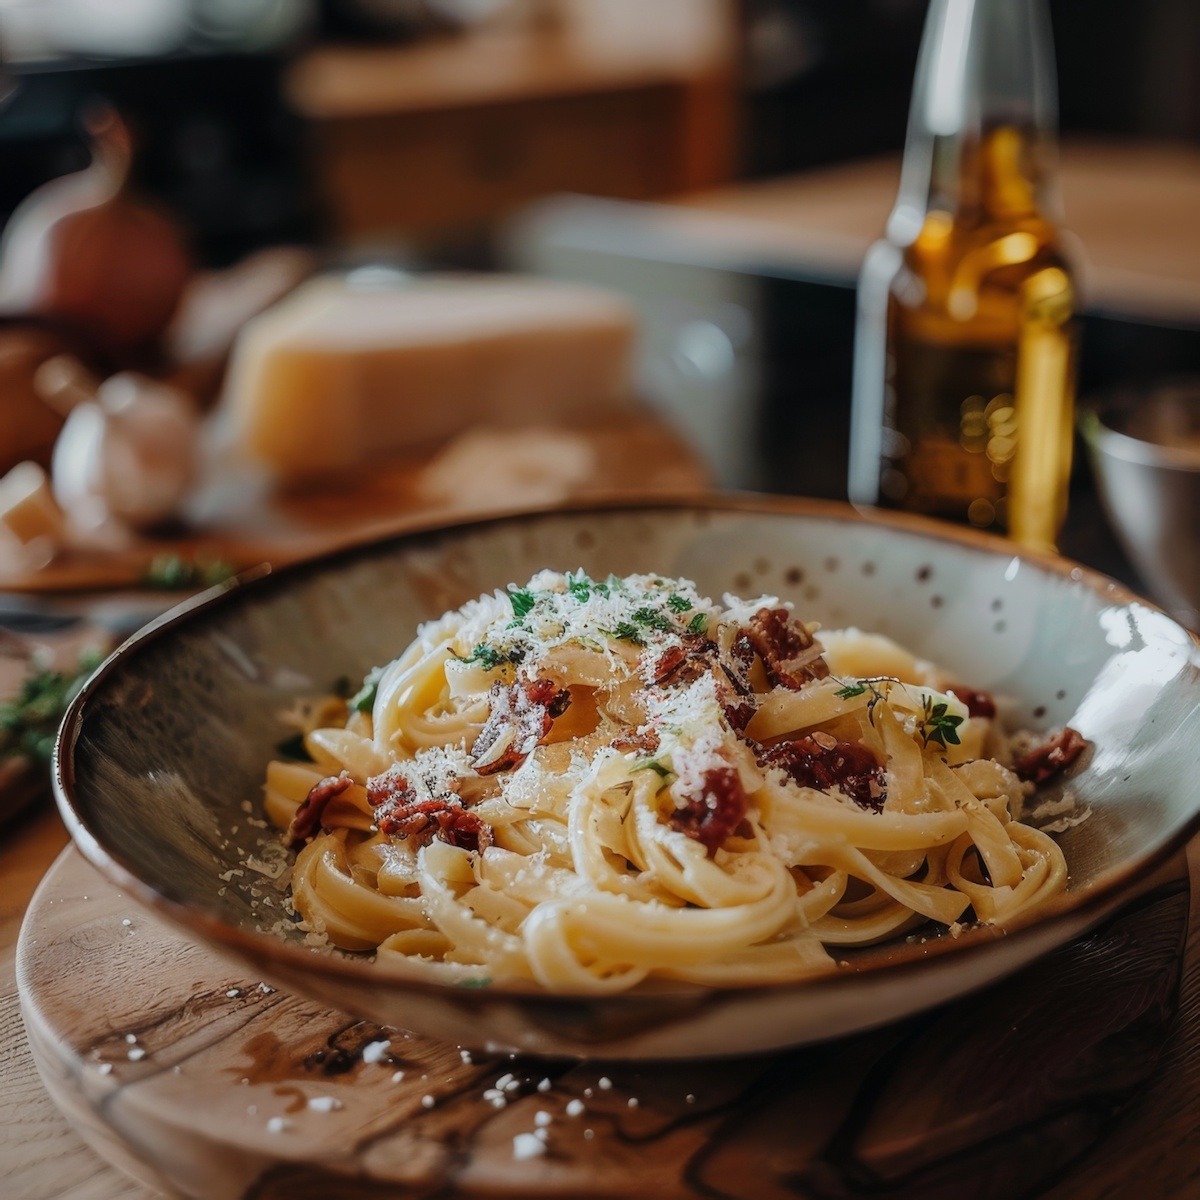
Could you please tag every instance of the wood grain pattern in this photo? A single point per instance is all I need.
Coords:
(992, 1096)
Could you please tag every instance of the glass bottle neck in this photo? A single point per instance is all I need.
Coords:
(982, 126)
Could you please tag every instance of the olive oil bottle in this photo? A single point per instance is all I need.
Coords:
(965, 344)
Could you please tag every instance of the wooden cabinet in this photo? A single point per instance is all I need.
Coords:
(450, 168)
(441, 136)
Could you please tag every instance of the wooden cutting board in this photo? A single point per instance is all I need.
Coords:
(239, 521)
(193, 1077)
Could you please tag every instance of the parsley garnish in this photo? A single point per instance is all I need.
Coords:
(364, 699)
(850, 690)
(698, 624)
(626, 632)
(652, 618)
(676, 603)
(522, 601)
(580, 586)
(939, 725)
(490, 658)
(478, 982)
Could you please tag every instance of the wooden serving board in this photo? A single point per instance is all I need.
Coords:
(198, 1080)
(241, 522)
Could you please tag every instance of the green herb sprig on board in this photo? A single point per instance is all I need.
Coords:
(30, 720)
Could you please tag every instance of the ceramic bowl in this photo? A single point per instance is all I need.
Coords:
(162, 756)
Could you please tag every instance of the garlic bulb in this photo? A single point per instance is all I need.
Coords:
(82, 251)
(126, 458)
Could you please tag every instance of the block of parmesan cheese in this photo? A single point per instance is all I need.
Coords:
(27, 508)
(32, 529)
(345, 370)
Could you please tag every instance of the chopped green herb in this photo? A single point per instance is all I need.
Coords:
(698, 624)
(480, 982)
(580, 586)
(364, 699)
(850, 690)
(293, 747)
(624, 631)
(173, 573)
(652, 764)
(487, 656)
(939, 725)
(652, 618)
(490, 658)
(29, 721)
(676, 603)
(522, 601)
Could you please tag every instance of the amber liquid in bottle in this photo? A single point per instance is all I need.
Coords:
(965, 350)
(981, 360)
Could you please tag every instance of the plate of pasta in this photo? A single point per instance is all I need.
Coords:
(643, 781)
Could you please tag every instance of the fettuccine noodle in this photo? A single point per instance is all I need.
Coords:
(587, 784)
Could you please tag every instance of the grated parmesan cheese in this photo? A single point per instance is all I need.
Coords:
(528, 1145)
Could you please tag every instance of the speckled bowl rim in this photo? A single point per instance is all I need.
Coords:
(891, 960)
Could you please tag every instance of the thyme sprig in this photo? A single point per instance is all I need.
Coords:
(938, 724)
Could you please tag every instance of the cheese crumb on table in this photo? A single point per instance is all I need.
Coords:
(375, 1052)
(527, 1145)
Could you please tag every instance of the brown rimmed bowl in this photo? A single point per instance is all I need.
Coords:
(164, 751)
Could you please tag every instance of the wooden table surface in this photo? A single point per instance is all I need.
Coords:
(1130, 213)
(1152, 1150)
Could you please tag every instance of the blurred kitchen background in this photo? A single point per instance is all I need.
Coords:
(721, 163)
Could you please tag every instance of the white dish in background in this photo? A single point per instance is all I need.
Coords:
(1145, 453)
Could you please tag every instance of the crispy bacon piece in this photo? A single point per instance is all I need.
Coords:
(399, 813)
(696, 655)
(1053, 756)
(739, 714)
(979, 704)
(390, 789)
(307, 818)
(683, 662)
(820, 761)
(713, 810)
(789, 655)
(522, 713)
(644, 740)
(442, 817)
(737, 663)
